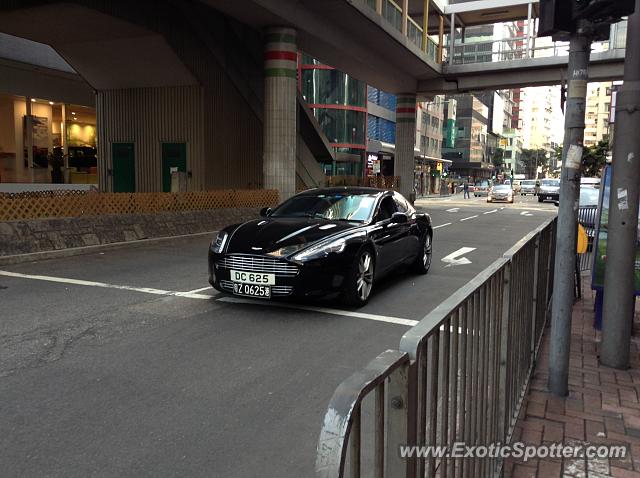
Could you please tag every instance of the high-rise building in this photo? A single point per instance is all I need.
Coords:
(597, 113)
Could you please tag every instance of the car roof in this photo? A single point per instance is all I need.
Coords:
(343, 189)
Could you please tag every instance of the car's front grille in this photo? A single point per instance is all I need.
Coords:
(249, 263)
(276, 290)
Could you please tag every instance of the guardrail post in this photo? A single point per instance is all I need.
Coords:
(397, 422)
(504, 415)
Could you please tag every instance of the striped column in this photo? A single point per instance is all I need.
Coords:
(280, 109)
(404, 163)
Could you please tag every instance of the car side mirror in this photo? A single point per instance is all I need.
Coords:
(265, 211)
(399, 218)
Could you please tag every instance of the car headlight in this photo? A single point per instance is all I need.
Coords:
(321, 250)
(217, 245)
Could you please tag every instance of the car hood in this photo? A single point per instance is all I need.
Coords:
(550, 189)
(266, 235)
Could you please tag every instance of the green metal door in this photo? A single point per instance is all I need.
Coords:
(174, 158)
(124, 167)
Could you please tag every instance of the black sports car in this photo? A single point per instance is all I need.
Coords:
(321, 242)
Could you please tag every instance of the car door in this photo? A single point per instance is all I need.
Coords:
(409, 232)
(386, 236)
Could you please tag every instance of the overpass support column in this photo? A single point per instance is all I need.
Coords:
(405, 142)
(280, 110)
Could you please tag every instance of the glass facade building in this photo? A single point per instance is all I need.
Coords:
(339, 103)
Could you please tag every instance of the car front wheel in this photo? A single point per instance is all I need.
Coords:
(360, 279)
(423, 260)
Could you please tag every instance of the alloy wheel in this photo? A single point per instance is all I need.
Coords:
(365, 275)
(426, 253)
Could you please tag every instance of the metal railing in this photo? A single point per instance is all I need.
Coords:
(392, 13)
(460, 375)
(587, 216)
(507, 49)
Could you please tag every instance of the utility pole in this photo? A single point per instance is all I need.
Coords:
(563, 294)
(619, 279)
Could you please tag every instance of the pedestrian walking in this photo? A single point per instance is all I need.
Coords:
(465, 188)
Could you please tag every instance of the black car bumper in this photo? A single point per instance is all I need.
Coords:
(311, 279)
(548, 196)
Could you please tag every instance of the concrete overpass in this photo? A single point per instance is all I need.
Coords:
(202, 62)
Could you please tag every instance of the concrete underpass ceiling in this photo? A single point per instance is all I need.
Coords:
(339, 34)
(107, 52)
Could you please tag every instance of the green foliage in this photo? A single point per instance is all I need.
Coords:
(531, 159)
(498, 159)
(594, 158)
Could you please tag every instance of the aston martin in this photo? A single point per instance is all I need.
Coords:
(321, 242)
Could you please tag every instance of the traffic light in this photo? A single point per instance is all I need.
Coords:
(555, 17)
(602, 11)
(561, 16)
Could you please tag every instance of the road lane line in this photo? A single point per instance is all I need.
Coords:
(453, 209)
(442, 225)
(144, 290)
(490, 212)
(324, 310)
(195, 291)
(467, 218)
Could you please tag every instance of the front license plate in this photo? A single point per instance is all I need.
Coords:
(256, 278)
(259, 291)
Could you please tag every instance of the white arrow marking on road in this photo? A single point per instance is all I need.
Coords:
(490, 212)
(455, 259)
(467, 218)
(526, 213)
(453, 209)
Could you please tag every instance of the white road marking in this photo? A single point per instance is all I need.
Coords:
(442, 225)
(455, 259)
(194, 295)
(144, 290)
(490, 212)
(467, 218)
(453, 209)
(526, 213)
(324, 310)
(195, 291)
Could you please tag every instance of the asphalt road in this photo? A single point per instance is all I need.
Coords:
(105, 371)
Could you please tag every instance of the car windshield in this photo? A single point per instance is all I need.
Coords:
(528, 182)
(502, 188)
(551, 182)
(589, 196)
(336, 207)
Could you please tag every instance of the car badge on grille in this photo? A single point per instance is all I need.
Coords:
(256, 248)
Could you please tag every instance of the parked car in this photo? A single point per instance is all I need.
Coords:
(322, 242)
(528, 186)
(549, 190)
(500, 192)
(481, 188)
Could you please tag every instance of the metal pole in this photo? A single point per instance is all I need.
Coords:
(619, 281)
(452, 38)
(529, 14)
(568, 210)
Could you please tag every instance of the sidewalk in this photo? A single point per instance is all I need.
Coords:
(603, 406)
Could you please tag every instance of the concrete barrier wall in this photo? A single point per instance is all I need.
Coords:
(43, 235)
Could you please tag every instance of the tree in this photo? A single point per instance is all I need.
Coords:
(594, 158)
(498, 159)
(532, 159)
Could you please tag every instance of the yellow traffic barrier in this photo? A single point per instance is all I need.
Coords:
(583, 240)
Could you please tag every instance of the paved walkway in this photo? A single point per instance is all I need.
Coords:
(603, 407)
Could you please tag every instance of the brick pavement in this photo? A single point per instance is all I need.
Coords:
(603, 407)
